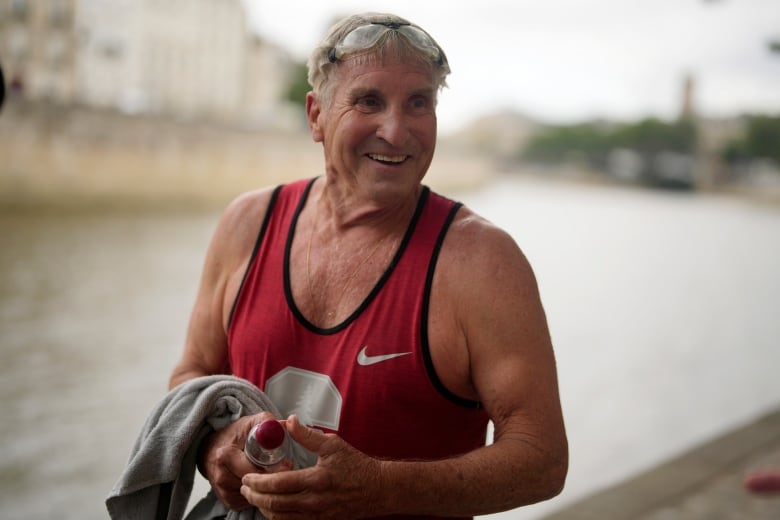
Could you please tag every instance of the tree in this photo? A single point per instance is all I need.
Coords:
(299, 85)
(762, 137)
(559, 143)
(653, 135)
(761, 141)
(594, 141)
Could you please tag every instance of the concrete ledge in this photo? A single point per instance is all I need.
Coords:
(704, 480)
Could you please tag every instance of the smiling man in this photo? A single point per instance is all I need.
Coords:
(389, 322)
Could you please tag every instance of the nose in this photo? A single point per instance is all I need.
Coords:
(393, 127)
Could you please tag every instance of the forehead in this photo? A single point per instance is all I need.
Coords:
(384, 74)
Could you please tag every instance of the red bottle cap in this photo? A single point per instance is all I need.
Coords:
(270, 434)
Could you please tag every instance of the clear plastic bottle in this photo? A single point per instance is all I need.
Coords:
(267, 444)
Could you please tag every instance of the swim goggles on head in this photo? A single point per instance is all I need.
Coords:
(366, 36)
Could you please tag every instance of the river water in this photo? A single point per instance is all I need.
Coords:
(663, 309)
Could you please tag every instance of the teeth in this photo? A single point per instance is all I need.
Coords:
(387, 158)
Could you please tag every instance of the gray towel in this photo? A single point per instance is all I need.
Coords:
(158, 479)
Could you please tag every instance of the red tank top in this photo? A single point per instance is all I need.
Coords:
(370, 379)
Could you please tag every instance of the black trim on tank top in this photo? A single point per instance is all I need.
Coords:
(380, 283)
(426, 349)
(255, 249)
(288, 250)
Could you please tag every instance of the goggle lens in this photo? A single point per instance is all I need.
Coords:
(366, 36)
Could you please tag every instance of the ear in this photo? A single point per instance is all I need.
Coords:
(313, 112)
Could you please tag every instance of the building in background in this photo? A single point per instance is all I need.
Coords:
(190, 60)
(38, 48)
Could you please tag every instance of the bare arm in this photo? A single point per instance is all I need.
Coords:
(221, 459)
(205, 348)
(491, 326)
(512, 370)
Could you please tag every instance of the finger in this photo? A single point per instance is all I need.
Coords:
(227, 488)
(235, 461)
(282, 507)
(234, 501)
(310, 438)
(252, 497)
(285, 482)
(268, 503)
(231, 466)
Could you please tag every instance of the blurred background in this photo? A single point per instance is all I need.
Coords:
(632, 149)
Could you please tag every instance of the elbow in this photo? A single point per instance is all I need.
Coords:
(178, 376)
(551, 472)
(555, 478)
(538, 478)
(182, 374)
(174, 381)
(557, 465)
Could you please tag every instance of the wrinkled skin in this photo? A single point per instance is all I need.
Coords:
(341, 485)
(224, 463)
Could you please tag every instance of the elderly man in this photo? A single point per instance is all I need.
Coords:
(389, 322)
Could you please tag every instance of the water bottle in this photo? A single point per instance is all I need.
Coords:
(267, 444)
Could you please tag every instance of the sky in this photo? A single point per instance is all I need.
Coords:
(564, 61)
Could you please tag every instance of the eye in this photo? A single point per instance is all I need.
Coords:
(368, 103)
(420, 103)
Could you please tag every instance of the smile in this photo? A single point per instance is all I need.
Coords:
(388, 158)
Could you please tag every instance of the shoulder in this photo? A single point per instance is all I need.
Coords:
(474, 242)
(485, 307)
(247, 206)
(246, 212)
(483, 272)
(238, 226)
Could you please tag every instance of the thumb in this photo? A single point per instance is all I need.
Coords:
(310, 438)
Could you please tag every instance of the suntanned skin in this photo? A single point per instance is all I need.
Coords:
(487, 329)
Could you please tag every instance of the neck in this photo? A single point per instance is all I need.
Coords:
(342, 208)
(345, 249)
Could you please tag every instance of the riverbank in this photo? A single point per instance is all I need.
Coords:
(703, 483)
(57, 158)
(77, 159)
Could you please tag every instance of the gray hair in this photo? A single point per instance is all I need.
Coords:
(322, 70)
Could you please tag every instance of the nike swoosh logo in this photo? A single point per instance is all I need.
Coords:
(366, 360)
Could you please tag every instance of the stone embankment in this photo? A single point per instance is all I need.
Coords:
(66, 158)
(56, 157)
(703, 483)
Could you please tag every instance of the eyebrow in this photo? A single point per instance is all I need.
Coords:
(359, 92)
(425, 91)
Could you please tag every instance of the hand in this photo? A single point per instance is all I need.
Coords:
(224, 462)
(343, 484)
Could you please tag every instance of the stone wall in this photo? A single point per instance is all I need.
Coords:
(75, 157)
(69, 157)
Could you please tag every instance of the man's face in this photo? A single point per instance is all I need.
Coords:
(379, 132)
